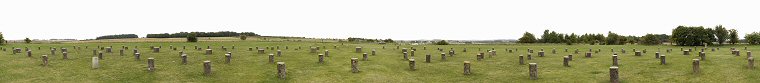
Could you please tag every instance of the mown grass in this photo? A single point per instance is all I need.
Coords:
(385, 67)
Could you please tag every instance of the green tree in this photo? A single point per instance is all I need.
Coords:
(691, 36)
(527, 38)
(27, 40)
(389, 40)
(2, 39)
(650, 39)
(442, 42)
(721, 34)
(614, 39)
(192, 38)
(710, 34)
(243, 37)
(733, 36)
(753, 38)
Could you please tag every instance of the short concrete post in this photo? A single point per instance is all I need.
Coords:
(522, 60)
(566, 61)
(327, 53)
(358, 49)
(151, 65)
(540, 53)
(443, 56)
(637, 53)
(137, 56)
(44, 60)
(662, 60)
(207, 68)
(184, 59)
(685, 52)
(156, 50)
(695, 66)
(533, 70)
(479, 57)
(95, 63)
(279, 53)
(281, 72)
(406, 56)
(749, 54)
(614, 78)
(702, 56)
(29, 53)
(427, 58)
(615, 60)
(121, 52)
(412, 65)
(657, 55)
(65, 55)
(52, 52)
(100, 55)
(271, 58)
(354, 65)
(109, 50)
(321, 58)
(467, 68)
(228, 58)
(312, 50)
(209, 51)
(751, 62)
(373, 52)
(530, 56)
(411, 54)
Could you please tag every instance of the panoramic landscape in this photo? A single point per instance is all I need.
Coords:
(393, 41)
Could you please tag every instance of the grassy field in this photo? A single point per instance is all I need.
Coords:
(385, 67)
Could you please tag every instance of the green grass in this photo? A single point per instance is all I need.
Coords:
(386, 67)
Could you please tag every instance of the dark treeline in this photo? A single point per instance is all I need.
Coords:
(681, 35)
(201, 34)
(119, 36)
(353, 39)
(593, 39)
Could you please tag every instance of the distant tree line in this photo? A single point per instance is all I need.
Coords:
(593, 39)
(201, 34)
(698, 35)
(681, 35)
(119, 36)
(353, 39)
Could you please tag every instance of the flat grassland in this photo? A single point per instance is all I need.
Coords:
(388, 66)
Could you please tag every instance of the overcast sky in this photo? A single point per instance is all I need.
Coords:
(397, 19)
